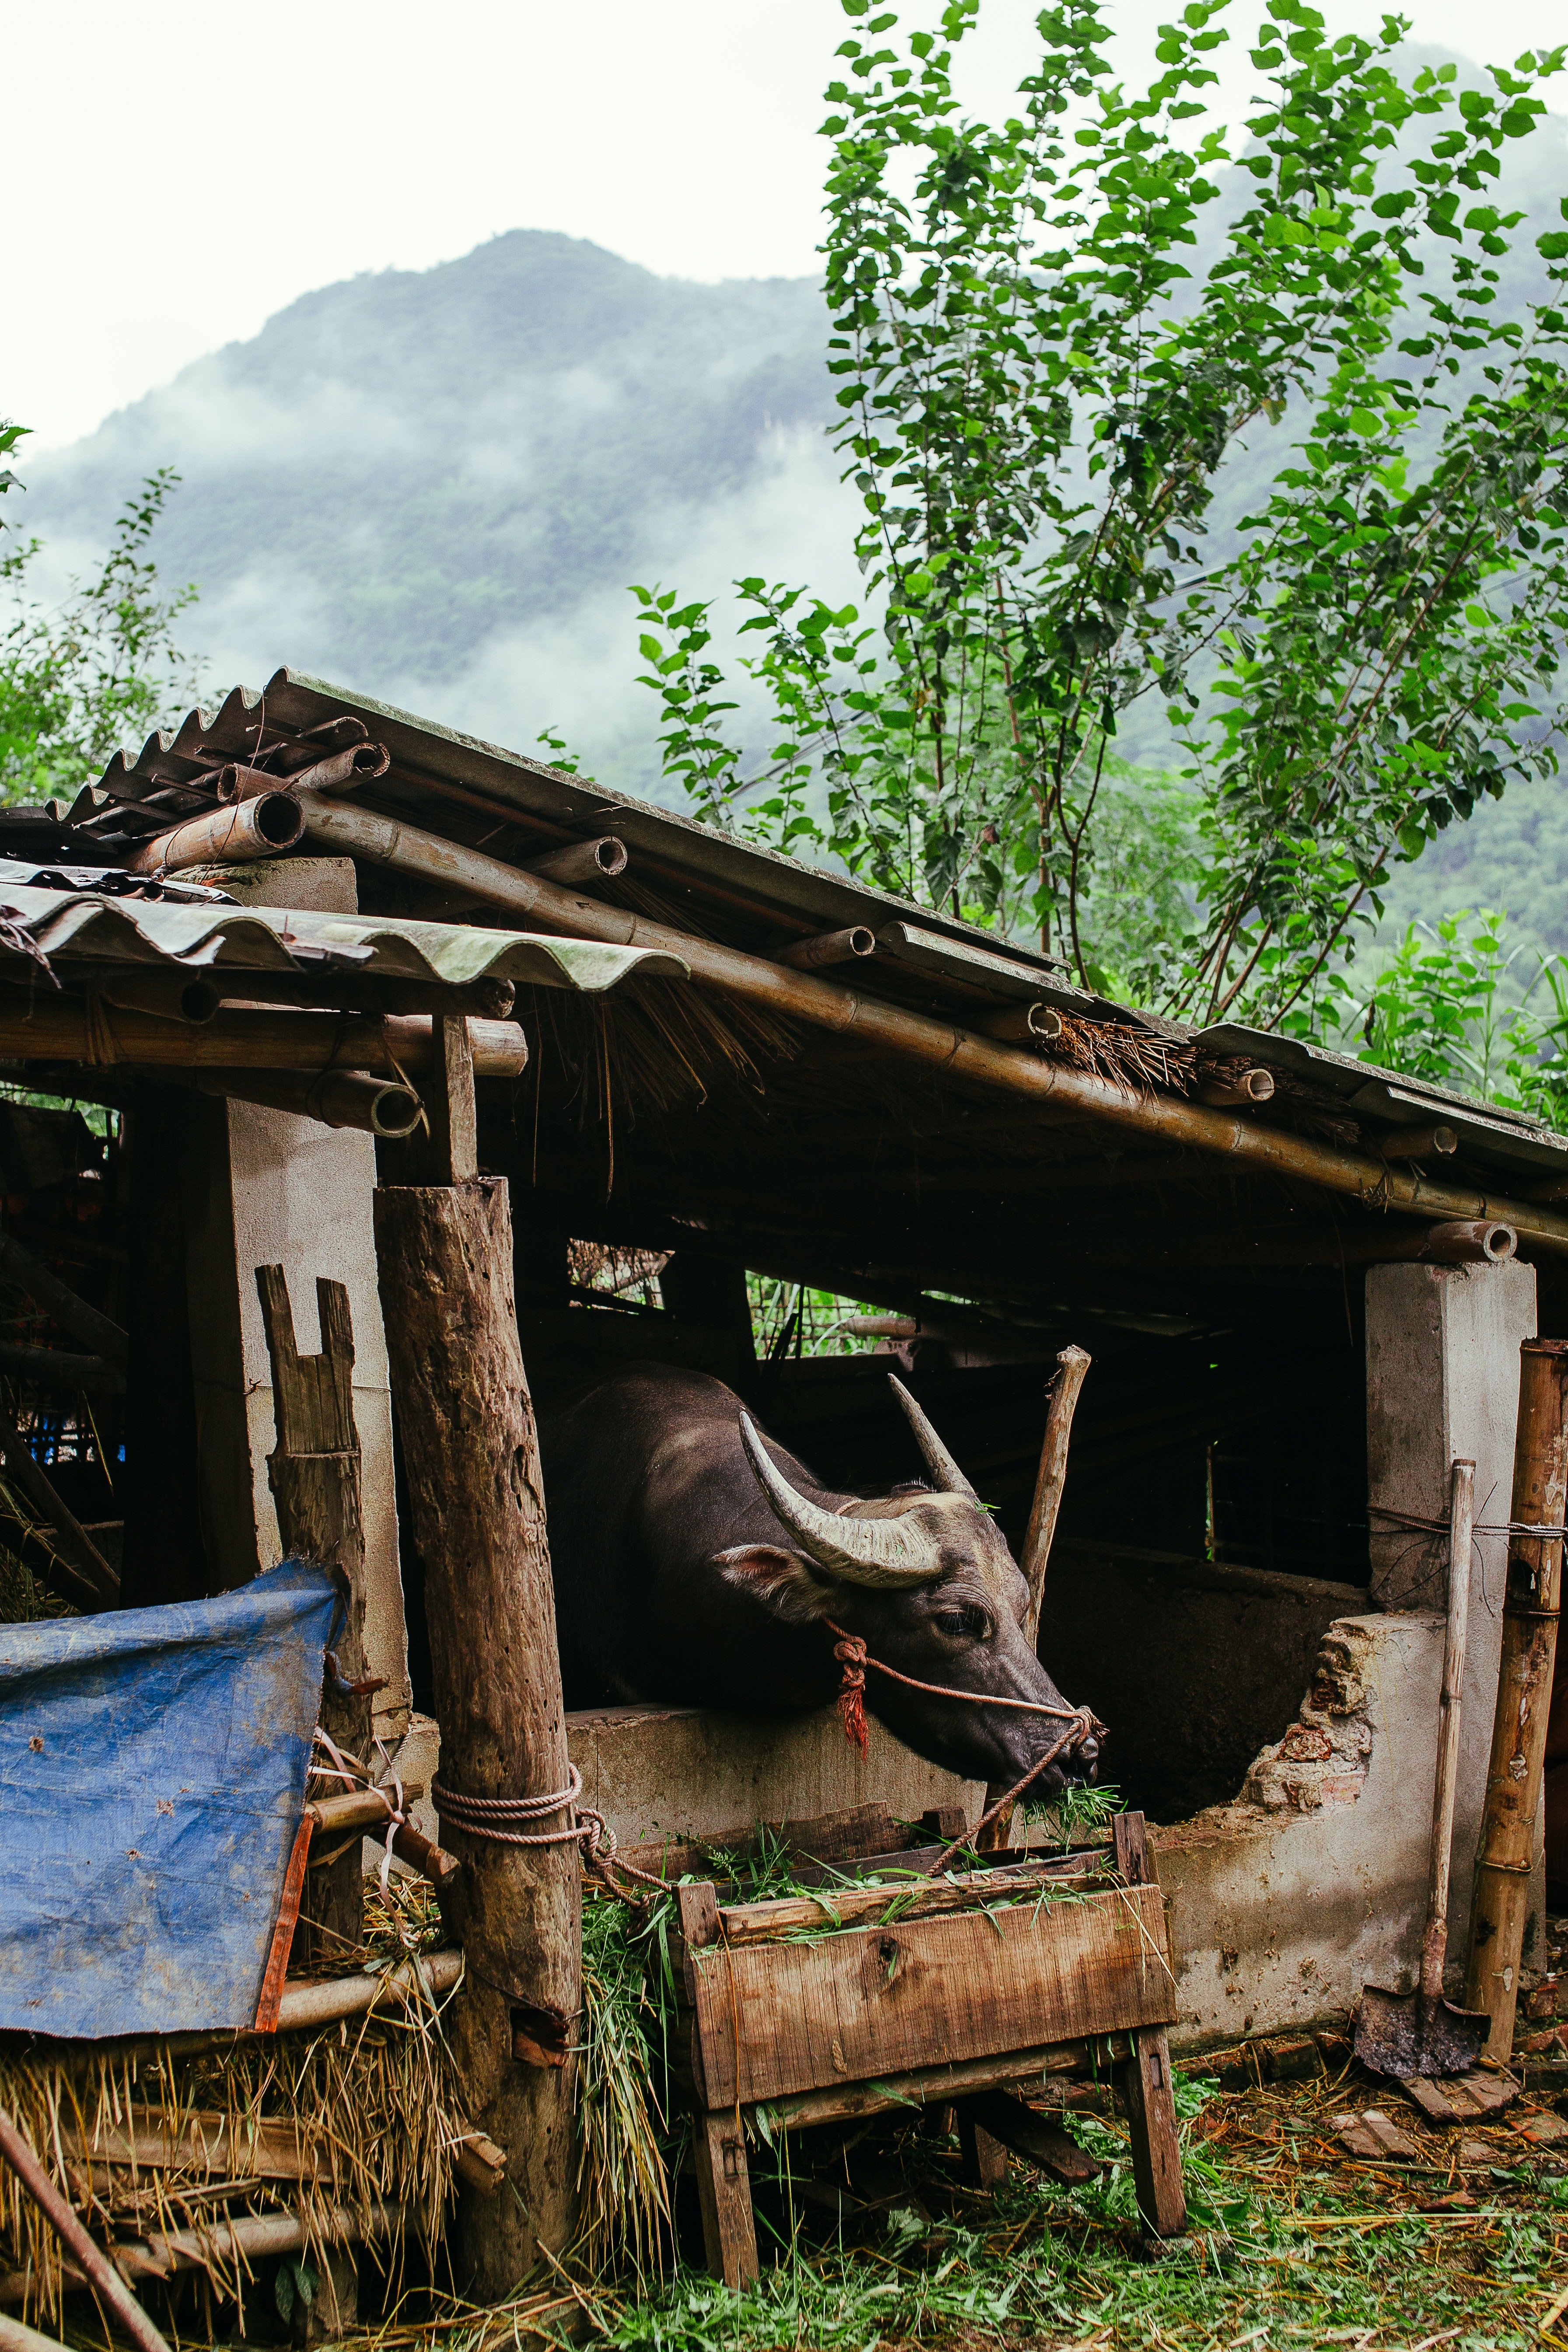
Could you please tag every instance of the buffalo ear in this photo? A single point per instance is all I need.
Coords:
(782, 1581)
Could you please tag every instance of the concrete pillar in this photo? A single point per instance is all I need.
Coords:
(1441, 1374)
(273, 1190)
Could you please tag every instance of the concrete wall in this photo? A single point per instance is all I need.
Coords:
(1442, 1382)
(1192, 1665)
(684, 1771)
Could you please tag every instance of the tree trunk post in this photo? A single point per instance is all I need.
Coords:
(1531, 1599)
(466, 1422)
(314, 1473)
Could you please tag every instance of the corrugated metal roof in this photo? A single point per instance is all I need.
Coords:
(707, 881)
(80, 926)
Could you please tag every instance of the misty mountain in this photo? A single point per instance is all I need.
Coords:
(436, 485)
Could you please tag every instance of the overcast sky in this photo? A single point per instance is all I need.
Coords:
(180, 171)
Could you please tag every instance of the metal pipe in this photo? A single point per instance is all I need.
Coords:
(915, 1038)
(829, 947)
(582, 861)
(251, 829)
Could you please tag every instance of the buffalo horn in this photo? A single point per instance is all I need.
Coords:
(879, 1552)
(938, 1460)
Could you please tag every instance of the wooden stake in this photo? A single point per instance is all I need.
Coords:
(449, 1154)
(314, 1473)
(466, 1422)
(1072, 1365)
(1531, 1601)
(1146, 2078)
(718, 2138)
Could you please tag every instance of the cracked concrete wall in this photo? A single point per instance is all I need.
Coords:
(1313, 1882)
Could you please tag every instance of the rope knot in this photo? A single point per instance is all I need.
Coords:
(850, 1652)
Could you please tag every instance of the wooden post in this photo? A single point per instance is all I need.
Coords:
(1050, 1482)
(717, 2139)
(449, 1154)
(1531, 1602)
(1146, 2079)
(466, 1422)
(314, 1473)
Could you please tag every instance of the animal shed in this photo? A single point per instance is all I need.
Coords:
(1303, 1282)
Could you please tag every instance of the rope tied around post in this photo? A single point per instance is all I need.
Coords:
(503, 1820)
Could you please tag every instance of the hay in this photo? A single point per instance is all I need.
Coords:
(147, 2137)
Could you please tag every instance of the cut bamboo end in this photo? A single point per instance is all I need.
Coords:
(1478, 1241)
(1420, 1143)
(828, 946)
(1023, 1024)
(251, 829)
(1237, 1092)
(583, 861)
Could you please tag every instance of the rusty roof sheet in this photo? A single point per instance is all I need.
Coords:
(83, 926)
(711, 880)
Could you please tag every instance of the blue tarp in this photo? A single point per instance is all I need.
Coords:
(152, 1767)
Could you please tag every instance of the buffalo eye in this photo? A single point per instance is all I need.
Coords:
(966, 1623)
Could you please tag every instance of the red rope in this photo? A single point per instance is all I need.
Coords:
(850, 1650)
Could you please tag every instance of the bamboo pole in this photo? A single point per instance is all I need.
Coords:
(227, 836)
(1531, 1601)
(1072, 1366)
(105, 2281)
(255, 1036)
(343, 1098)
(1249, 1145)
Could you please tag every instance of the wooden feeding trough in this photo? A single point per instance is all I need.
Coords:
(806, 2010)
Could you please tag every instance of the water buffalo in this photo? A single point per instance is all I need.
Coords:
(696, 1562)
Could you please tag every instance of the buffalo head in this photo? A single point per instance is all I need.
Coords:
(925, 1578)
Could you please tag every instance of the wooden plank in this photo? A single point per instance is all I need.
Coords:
(724, 2187)
(934, 2084)
(314, 1473)
(778, 2019)
(1152, 2131)
(1146, 2077)
(1040, 2142)
(750, 1922)
(448, 1153)
(983, 2158)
